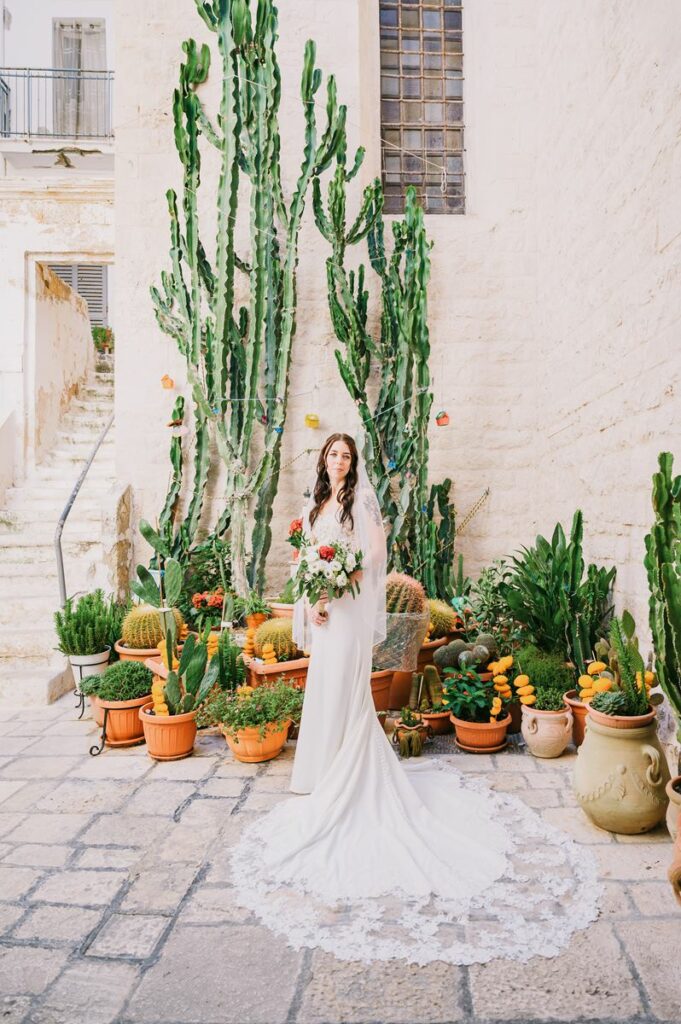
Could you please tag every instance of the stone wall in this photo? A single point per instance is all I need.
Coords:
(552, 300)
(64, 356)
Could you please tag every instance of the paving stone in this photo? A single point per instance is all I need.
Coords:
(9, 915)
(8, 787)
(232, 786)
(213, 905)
(28, 970)
(14, 744)
(38, 855)
(67, 924)
(654, 899)
(269, 783)
(80, 796)
(590, 980)
(265, 801)
(507, 762)
(396, 992)
(39, 767)
(192, 988)
(30, 793)
(158, 890)
(15, 882)
(95, 888)
(88, 993)
(25, 728)
(128, 935)
(159, 798)
(183, 843)
(57, 744)
(574, 821)
(231, 767)
(513, 783)
(121, 830)
(640, 862)
(539, 798)
(48, 828)
(104, 857)
(646, 942)
(13, 1009)
(616, 903)
(189, 769)
(207, 813)
(109, 766)
(8, 822)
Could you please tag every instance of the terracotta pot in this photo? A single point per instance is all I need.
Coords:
(135, 653)
(515, 710)
(579, 710)
(248, 746)
(422, 727)
(380, 689)
(401, 681)
(97, 710)
(481, 737)
(619, 721)
(255, 620)
(674, 873)
(123, 726)
(674, 809)
(547, 733)
(168, 737)
(439, 722)
(621, 775)
(281, 610)
(294, 672)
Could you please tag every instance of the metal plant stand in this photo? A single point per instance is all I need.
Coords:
(94, 749)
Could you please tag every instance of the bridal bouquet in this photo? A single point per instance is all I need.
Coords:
(326, 568)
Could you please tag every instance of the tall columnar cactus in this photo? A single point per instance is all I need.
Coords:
(422, 524)
(663, 564)
(238, 355)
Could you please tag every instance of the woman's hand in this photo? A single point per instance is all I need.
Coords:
(318, 612)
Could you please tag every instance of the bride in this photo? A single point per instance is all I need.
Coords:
(376, 858)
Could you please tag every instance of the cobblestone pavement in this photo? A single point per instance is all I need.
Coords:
(115, 905)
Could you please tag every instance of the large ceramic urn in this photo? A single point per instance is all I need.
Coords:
(621, 773)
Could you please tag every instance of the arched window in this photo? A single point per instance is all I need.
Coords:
(422, 103)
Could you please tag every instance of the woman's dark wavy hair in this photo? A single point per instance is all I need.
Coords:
(322, 489)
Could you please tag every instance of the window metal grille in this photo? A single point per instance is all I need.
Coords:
(422, 103)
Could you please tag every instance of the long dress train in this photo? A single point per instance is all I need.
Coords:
(392, 859)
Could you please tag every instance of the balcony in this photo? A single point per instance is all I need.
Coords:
(57, 116)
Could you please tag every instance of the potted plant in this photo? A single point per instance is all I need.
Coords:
(207, 610)
(444, 621)
(255, 722)
(88, 688)
(546, 723)
(283, 606)
(549, 672)
(274, 638)
(381, 681)
(459, 654)
(253, 609)
(407, 621)
(410, 733)
(621, 772)
(477, 711)
(84, 632)
(426, 698)
(119, 693)
(142, 631)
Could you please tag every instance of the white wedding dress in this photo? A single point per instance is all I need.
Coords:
(387, 858)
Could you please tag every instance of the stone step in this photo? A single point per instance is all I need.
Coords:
(101, 408)
(36, 608)
(28, 641)
(34, 681)
(48, 512)
(62, 473)
(12, 553)
(43, 534)
(18, 504)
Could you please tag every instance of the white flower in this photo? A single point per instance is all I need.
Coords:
(328, 571)
(350, 561)
(335, 565)
(342, 579)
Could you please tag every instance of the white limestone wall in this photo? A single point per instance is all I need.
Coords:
(63, 356)
(49, 222)
(570, 228)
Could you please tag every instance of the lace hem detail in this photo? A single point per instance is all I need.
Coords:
(548, 890)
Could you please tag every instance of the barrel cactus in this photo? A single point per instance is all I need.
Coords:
(443, 618)
(487, 640)
(403, 594)
(142, 627)
(448, 656)
(279, 633)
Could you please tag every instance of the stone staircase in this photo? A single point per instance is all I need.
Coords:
(31, 670)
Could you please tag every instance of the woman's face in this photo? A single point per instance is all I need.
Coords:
(338, 461)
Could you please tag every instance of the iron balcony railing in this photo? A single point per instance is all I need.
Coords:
(62, 103)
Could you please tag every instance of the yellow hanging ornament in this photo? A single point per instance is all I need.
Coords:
(311, 420)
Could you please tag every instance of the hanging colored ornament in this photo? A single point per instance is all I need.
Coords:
(306, 492)
(311, 420)
(442, 418)
(278, 430)
(263, 418)
(392, 464)
(167, 382)
(215, 411)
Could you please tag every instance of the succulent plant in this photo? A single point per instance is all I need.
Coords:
(611, 702)
(232, 669)
(126, 680)
(404, 594)
(448, 656)
(487, 640)
(442, 616)
(549, 699)
(142, 626)
(426, 689)
(85, 627)
(279, 633)
(188, 686)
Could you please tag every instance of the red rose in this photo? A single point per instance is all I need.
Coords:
(295, 527)
(327, 553)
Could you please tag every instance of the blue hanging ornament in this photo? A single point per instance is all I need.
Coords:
(278, 430)
(392, 464)
(215, 411)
